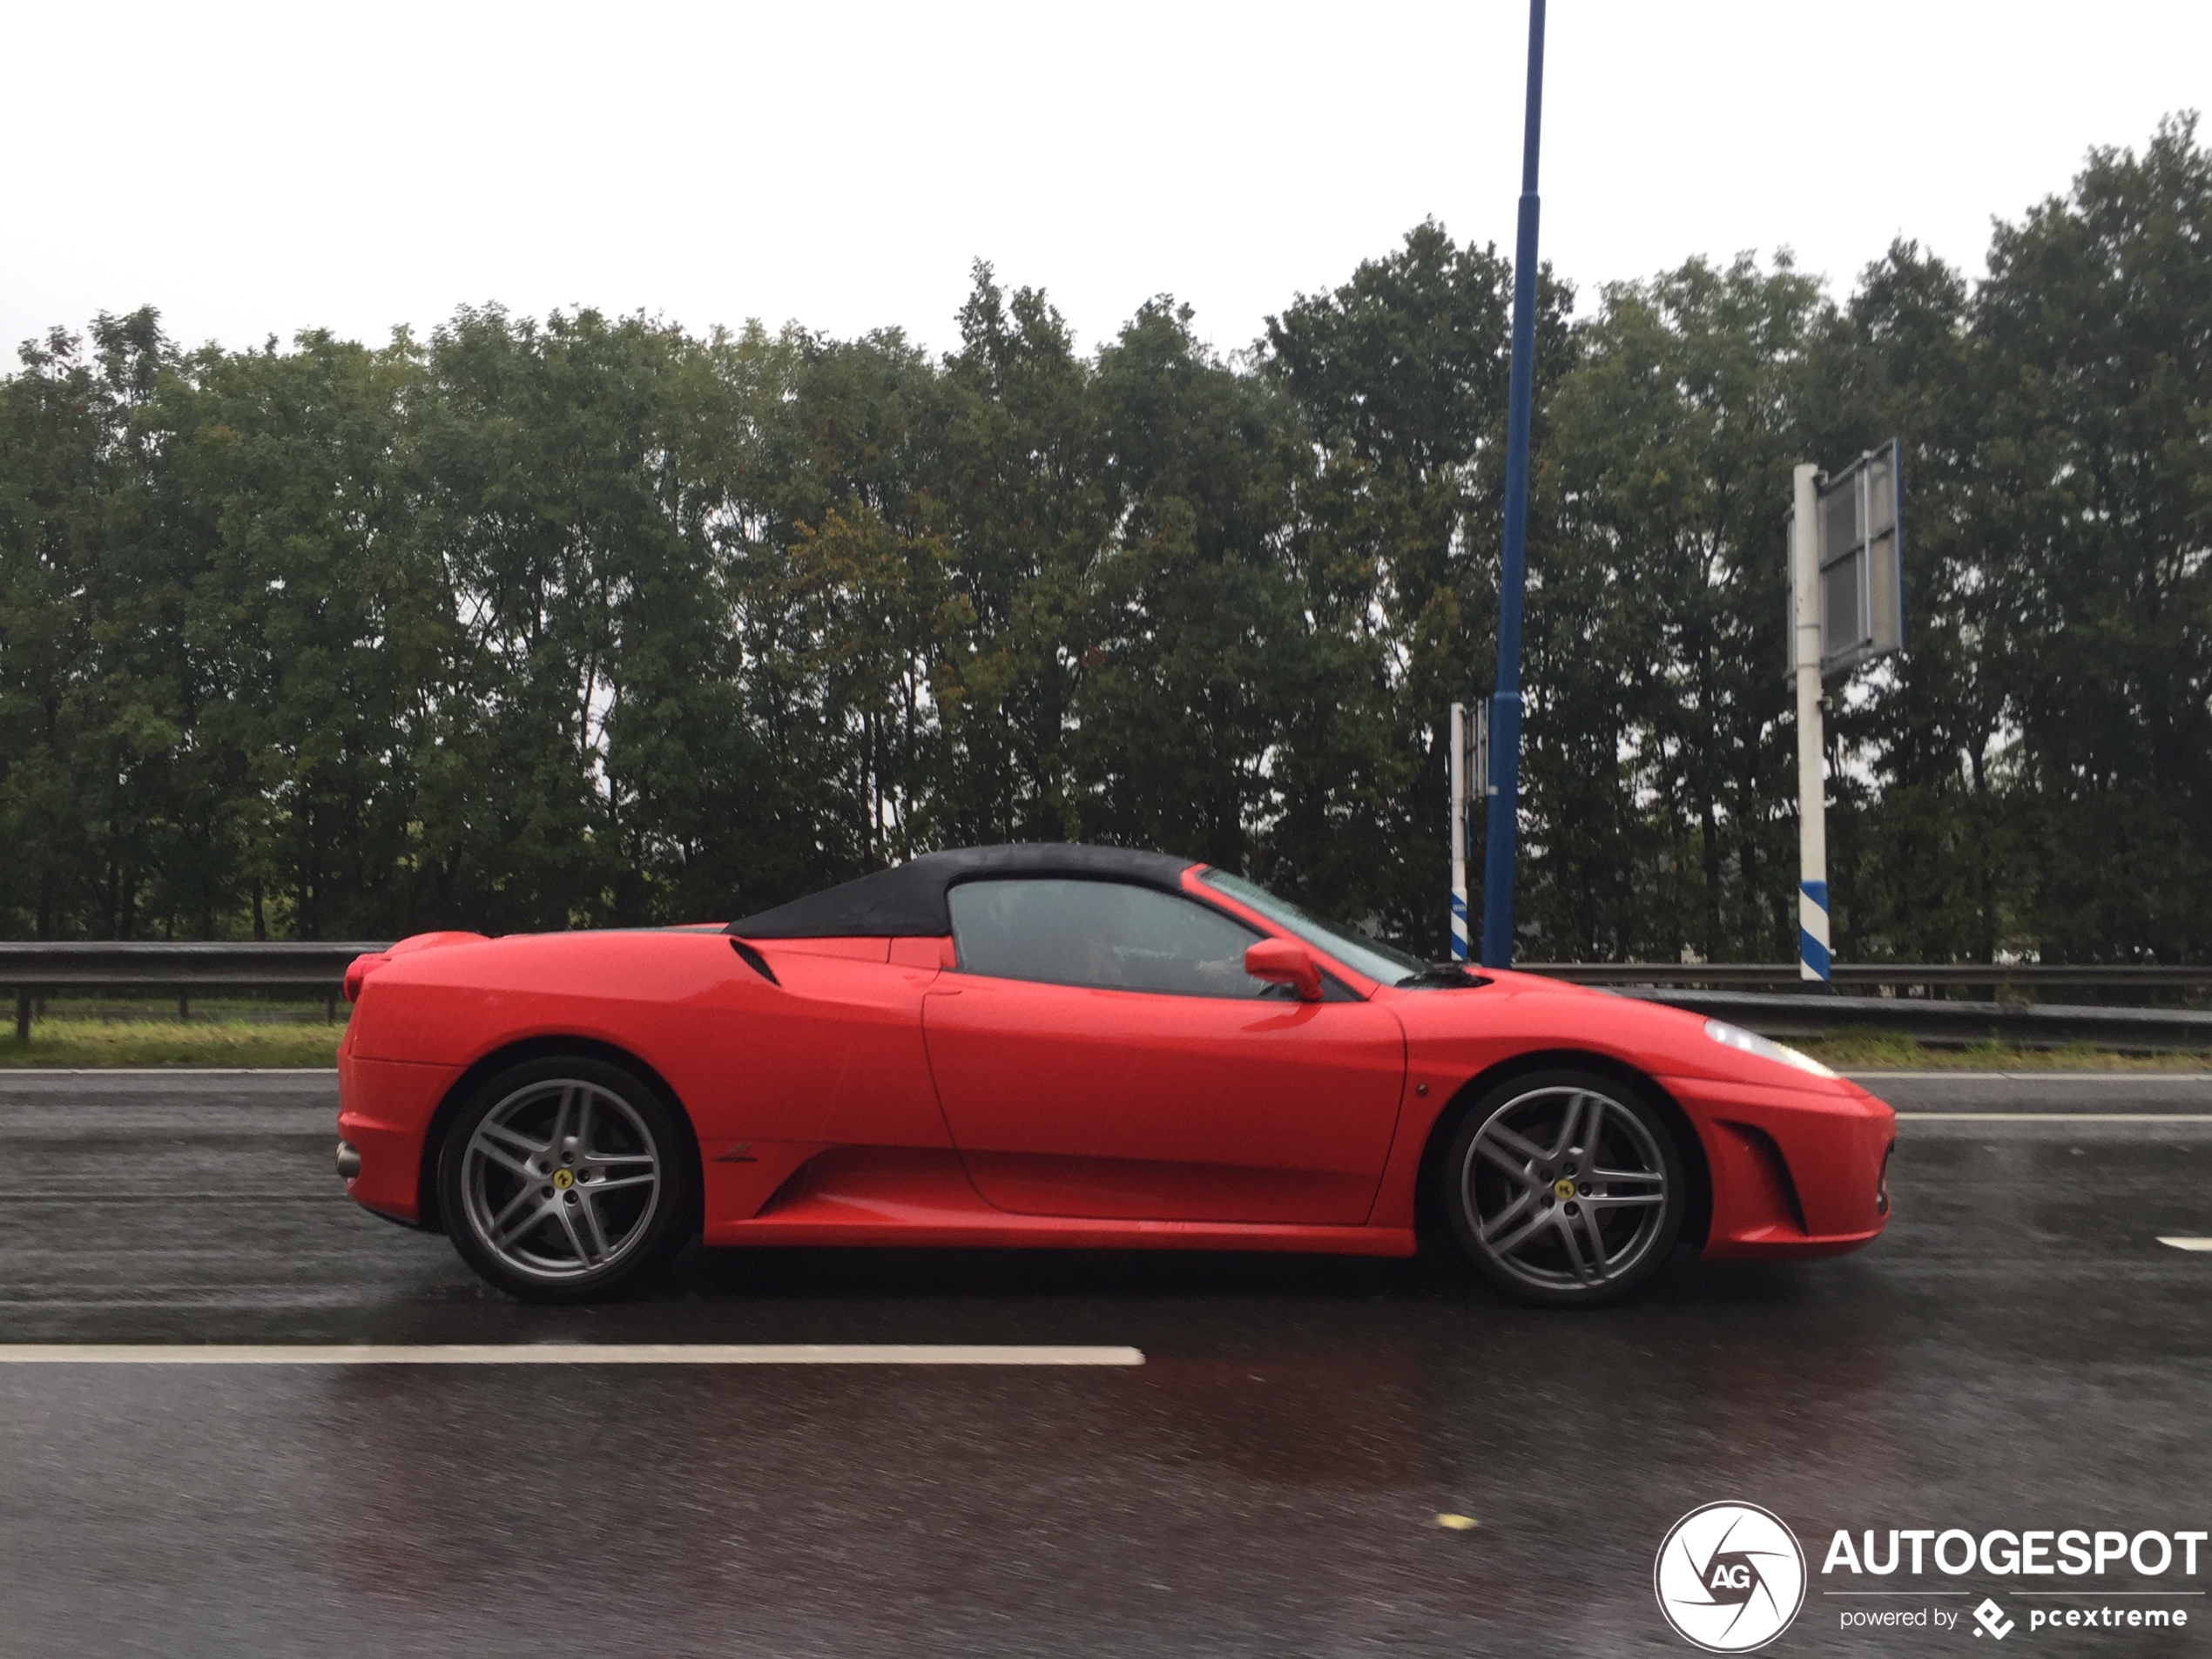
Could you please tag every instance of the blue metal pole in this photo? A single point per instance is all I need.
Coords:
(1505, 706)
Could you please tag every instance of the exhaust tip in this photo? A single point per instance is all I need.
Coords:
(349, 1160)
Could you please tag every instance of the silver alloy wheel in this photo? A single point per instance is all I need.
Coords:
(560, 1179)
(1564, 1189)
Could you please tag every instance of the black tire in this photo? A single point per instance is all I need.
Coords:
(1545, 1216)
(567, 1180)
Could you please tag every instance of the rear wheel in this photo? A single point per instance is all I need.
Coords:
(1565, 1189)
(566, 1180)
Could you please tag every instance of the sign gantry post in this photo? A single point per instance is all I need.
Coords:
(1502, 822)
(1846, 607)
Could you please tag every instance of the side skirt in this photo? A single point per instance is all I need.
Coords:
(925, 1199)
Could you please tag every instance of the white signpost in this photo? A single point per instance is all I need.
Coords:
(1470, 769)
(1846, 607)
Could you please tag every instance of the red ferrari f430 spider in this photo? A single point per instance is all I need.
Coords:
(1069, 1046)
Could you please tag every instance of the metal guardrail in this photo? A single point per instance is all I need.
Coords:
(2032, 1024)
(1751, 993)
(1895, 977)
(164, 963)
(1908, 999)
(33, 969)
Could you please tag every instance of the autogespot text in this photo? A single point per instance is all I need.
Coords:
(2020, 1558)
(2074, 1553)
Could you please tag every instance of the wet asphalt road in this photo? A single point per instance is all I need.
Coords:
(2019, 1351)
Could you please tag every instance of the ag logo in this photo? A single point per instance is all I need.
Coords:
(1730, 1577)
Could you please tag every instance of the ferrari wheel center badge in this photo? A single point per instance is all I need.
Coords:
(1562, 1189)
(564, 1179)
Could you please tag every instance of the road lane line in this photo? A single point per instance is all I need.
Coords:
(2054, 1117)
(2187, 1243)
(563, 1353)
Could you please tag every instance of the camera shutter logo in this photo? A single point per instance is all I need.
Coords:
(1730, 1577)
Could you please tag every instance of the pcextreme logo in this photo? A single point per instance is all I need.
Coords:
(1992, 1618)
(1730, 1577)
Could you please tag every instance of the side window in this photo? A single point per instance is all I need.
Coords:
(1102, 934)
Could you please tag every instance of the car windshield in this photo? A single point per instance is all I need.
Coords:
(1379, 961)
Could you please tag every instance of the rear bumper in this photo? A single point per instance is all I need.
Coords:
(1796, 1172)
(384, 1112)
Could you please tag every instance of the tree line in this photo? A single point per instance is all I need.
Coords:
(592, 621)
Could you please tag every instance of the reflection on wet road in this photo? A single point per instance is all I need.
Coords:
(2018, 1350)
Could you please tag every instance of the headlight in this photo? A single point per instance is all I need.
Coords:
(1735, 1037)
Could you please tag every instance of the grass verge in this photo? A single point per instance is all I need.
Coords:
(66, 1042)
(89, 1043)
(1887, 1050)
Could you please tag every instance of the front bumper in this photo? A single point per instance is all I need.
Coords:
(1795, 1172)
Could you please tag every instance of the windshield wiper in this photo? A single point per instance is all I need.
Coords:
(1442, 976)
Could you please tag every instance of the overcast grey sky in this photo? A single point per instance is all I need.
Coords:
(255, 169)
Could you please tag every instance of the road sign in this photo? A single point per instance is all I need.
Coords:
(1846, 606)
(1860, 521)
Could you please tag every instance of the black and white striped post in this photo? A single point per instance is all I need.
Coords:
(1458, 778)
(1814, 960)
(1847, 608)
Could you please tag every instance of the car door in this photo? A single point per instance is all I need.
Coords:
(1100, 1052)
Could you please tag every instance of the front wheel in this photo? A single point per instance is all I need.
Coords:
(1564, 1189)
(565, 1180)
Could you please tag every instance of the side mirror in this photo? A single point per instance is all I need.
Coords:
(1284, 961)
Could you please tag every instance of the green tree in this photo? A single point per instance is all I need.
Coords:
(2096, 327)
(1196, 643)
(1663, 696)
(320, 637)
(1919, 845)
(103, 811)
(1400, 377)
(575, 476)
(1019, 486)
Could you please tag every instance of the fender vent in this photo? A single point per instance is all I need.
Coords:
(1777, 1167)
(755, 960)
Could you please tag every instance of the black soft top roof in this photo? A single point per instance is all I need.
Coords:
(908, 899)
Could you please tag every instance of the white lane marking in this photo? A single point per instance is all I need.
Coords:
(2187, 1243)
(563, 1353)
(2054, 1117)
